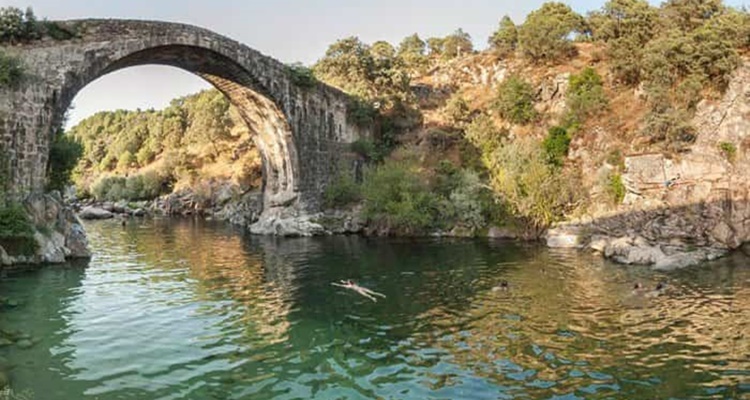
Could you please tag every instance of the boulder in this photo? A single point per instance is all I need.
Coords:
(501, 233)
(93, 213)
(4, 257)
(283, 222)
(77, 242)
(51, 247)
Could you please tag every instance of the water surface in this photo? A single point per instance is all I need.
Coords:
(181, 309)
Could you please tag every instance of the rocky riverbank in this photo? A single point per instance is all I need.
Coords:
(58, 233)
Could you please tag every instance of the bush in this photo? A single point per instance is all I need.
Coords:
(585, 97)
(457, 111)
(361, 113)
(342, 192)
(396, 199)
(556, 145)
(16, 231)
(534, 190)
(483, 134)
(64, 154)
(467, 202)
(515, 101)
(729, 150)
(302, 76)
(670, 127)
(615, 188)
(440, 139)
(11, 71)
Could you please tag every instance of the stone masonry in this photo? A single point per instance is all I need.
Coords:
(302, 132)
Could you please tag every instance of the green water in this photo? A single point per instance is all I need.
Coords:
(193, 310)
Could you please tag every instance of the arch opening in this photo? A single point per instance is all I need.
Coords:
(258, 109)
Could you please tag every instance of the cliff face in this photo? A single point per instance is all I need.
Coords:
(686, 208)
(678, 209)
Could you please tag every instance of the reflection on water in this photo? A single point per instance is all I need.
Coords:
(173, 309)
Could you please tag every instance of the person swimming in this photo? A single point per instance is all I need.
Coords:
(502, 286)
(349, 284)
(639, 289)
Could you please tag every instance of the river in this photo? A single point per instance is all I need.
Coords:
(186, 309)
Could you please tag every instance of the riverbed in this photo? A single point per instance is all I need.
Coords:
(189, 309)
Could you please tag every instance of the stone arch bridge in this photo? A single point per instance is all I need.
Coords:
(302, 132)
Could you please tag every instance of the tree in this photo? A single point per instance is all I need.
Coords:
(435, 46)
(635, 20)
(505, 39)
(688, 15)
(412, 52)
(64, 155)
(347, 64)
(515, 100)
(457, 44)
(546, 34)
(585, 96)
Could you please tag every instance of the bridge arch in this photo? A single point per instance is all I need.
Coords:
(301, 132)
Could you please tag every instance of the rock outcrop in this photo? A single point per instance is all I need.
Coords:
(683, 210)
(59, 234)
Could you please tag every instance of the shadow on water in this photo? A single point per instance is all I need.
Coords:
(174, 309)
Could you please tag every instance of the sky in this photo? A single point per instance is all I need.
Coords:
(288, 30)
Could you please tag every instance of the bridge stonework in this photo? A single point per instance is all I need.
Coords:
(301, 132)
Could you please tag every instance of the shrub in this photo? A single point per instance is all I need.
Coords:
(302, 76)
(515, 101)
(534, 190)
(64, 154)
(342, 192)
(16, 231)
(365, 149)
(440, 139)
(11, 71)
(467, 203)
(729, 150)
(457, 111)
(556, 145)
(361, 113)
(483, 134)
(125, 161)
(615, 188)
(671, 127)
(396, 199)
(585, 97)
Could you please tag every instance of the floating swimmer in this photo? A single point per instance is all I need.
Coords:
(503, 286)
(349, 284)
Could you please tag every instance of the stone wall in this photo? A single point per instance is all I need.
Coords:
(301, 132)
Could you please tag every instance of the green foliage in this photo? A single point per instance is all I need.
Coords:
(669, 127)
(361, 113)
(64, 154)
(468, 202)
(440, 138)
(505, 39)
(145, 186)
(11, 71)
(585, 96)
(532, 188)
(343, 191)
(202, 128)
(556, 145)
(457, 111)
(546, 34)
(634, 20)
(687, 15)
(515, 101)
(483, 134)
(302, 76)
(729, 150)
(16, 231)
(412, 51)
(615, 188)
(17, 26)
(457, 44)
(372, 73)
(396, 199)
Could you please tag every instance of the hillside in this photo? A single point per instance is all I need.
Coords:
(139, 155)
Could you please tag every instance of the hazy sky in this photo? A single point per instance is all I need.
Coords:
(289, 30)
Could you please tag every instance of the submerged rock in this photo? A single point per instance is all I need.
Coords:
(4, 380)
(24, 344)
